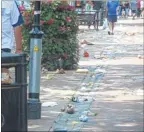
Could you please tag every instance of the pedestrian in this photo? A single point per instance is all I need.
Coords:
(11, 29)
(112, 6)
(133, 8)
(123, 10)
(142, 8)
(120, 9)
(127, 6)
(138, 8)
(88, 9)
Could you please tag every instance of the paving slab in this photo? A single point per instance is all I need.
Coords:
(118, 96)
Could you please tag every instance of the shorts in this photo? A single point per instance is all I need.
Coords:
(133, 11)
(6, 50)
(112, 18)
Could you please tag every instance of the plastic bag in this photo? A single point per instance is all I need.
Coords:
(105, 24)
(130, 12)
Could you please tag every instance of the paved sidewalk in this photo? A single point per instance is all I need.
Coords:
(118, 95)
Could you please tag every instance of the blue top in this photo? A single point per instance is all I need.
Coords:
(11, 18)
(112, 7)
(133, 5)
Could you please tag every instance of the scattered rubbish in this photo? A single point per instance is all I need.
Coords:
(129, 33)
(140, 92)
(75, 99)
(138, 78)
(62, 109)
(83, 118)
(110, 47)
(5, 78)
(85, 54)
(44, 70)
(75, 122)
(49, 76)
(95, 114)
(70, 109)
(100, 57)
(86, 112)
(90, 43)
(61, 71)
(89, 113)
(82, 71)
(83, 42)
(100, 70)
(49, 104)
(140, 57)
(79, 99)
(60, 130)
(90, 83)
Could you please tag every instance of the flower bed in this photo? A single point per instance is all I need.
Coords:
(58, 22)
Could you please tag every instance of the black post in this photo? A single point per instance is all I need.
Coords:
(34, 104)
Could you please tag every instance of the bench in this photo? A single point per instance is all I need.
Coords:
(91, 18)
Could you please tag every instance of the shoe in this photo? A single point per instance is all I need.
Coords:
(109, 33)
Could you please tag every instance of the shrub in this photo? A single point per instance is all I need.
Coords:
(58, 22)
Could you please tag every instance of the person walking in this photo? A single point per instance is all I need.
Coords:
(11, 28)
(127, 6)
(138, 8)
(112, 6)
(142, 8)
(88, 9)
(133, 8)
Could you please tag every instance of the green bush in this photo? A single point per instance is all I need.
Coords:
(58, 22)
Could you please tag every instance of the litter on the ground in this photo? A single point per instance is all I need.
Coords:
(70, 109)
(83, 118)
(49, 104)
(140, 57)
(82, 70)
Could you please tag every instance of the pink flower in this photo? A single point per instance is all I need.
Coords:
(42, 22)
(49, 1)
(50, 21)
(68, 19)
(62, 28)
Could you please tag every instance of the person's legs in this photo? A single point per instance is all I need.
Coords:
(127, 12)
(142, 13)
(110, 27)
(113, 24)
(120, 11)
(133, 14)
(138, 12)
(110, 24)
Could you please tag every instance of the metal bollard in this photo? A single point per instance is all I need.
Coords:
(34, 104)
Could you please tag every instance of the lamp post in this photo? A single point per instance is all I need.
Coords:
(34, 104)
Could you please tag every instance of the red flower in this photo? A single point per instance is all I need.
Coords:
(65, 55)
(26, 22)
(50, 21)
(68, 19)
(42, 22)
(49, 1)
